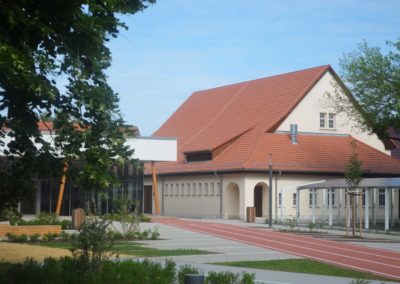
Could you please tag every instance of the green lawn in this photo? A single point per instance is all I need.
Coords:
(133, 248)
(304, 266)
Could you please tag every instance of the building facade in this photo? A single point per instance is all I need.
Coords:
(228, 136)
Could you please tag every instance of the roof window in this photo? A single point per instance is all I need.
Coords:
(198, 156)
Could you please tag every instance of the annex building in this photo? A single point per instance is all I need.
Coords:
(228, 135)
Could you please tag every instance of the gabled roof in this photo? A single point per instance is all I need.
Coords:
(236, 123)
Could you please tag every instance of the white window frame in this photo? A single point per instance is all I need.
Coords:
(322, 120)
(331, 118)
(294, 199)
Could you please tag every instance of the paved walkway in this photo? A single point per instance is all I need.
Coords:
(232, 250)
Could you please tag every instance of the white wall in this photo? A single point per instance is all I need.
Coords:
(306, 115)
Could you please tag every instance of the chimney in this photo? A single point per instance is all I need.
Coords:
(293, 133)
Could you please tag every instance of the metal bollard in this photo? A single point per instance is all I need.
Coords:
(194, 279)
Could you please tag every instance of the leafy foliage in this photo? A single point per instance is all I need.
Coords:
(42, 45)
(92, 242)
(373, 78)
(352, 172)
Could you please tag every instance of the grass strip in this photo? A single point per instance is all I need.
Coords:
(304, 266)
(132, 248)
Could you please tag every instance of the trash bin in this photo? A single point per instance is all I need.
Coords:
(194, 279)
(77, 217)
(251, 214)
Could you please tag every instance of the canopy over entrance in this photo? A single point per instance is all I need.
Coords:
(365, 183)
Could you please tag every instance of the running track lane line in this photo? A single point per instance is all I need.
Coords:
(320, 243)
(388, 253)
(301, 247)
(184, 225)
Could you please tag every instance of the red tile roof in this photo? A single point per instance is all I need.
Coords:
(236, 123)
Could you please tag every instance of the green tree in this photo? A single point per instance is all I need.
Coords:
(353, 177)
(41, 44)
(373, 78)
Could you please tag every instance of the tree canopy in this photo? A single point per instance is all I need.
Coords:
(373, 78)
(43, 43)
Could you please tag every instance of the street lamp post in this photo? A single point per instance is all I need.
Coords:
(270, 193)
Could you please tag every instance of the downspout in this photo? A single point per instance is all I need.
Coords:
(276, 194)
(162, 197)
(220, 195)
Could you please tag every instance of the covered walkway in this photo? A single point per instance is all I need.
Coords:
(386, 188)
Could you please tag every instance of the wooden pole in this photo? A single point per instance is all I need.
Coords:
(62, 186)
(155, 188)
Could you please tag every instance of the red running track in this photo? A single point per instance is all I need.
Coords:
(377, 261)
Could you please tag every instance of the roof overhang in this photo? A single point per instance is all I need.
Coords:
(365, 183)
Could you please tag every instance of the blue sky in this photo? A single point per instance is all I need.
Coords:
(176, 47)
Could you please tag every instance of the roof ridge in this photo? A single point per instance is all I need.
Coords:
(217, 116)
(326, 66)
(307, 89)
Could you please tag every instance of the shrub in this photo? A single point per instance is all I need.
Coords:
(155, 234)
(145, 218)
(34, 238)
(50, 237)
(291, 222)
(10, 214)
(229, 278)
(311, 226)
(92, 242)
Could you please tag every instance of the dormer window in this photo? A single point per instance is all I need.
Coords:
(327, 120)
(198, 156)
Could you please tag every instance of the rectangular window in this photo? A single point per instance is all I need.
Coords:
(294, 199)
(166, 190)
(205, 189)
(363, 197)
(311, 198)
(212, 189)
(177, 189)
(332, 121)
(188, 189)
(198, 156)
(333, 198)
(182, 189)
(194, 189)
(322, 120)
(279, 199)
(200, 190)
(381, 197)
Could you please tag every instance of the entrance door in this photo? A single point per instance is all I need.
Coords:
(258, 200)
(147, 199)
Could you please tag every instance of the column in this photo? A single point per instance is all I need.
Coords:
(374, 206)
(366, 209)
(323, 205)
(297, 204)
(392, 207)
(386, 209)
(330, 206)
(313, 204)
(282, 204)
(340, 205)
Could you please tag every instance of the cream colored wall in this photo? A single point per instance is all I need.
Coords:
(196, 196)
(306, 115)
(208, 204)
